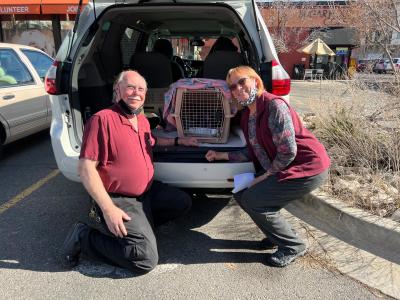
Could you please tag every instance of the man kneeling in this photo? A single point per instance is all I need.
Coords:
(117, 170)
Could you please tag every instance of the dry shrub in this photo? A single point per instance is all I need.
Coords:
(361, 131)
(359, 143)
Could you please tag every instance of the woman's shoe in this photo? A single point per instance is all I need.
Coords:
(283, 257)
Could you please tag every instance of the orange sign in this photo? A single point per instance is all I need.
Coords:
(18, 7)
(32, 7)
(61, 6)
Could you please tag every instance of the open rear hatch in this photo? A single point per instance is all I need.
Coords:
(124, 30)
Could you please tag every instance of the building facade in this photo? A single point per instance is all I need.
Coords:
(39, 23)
(294, 24)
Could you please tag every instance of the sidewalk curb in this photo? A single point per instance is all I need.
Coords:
(351, 225)
(377, 262)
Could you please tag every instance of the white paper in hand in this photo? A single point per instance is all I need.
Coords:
(242, 181)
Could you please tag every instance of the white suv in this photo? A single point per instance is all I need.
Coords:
(110, 37)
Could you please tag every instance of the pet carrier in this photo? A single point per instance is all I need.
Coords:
(204, 114)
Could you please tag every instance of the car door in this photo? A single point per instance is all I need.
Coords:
(22, 96)
(41, 62)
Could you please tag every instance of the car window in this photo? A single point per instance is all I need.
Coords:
(185, 47)
(40, 61)
(12, 70)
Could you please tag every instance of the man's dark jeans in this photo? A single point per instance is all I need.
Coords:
(264, 201)
(138, 250)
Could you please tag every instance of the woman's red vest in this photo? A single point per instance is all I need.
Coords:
(311, 158)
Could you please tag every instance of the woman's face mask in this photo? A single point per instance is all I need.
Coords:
(251, 99)
(243, 89)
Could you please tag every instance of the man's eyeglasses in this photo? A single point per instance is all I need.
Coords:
(136, 88)
(241, 82)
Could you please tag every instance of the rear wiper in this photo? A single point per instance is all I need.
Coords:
(78, 13)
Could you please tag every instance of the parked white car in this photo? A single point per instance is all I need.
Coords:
(24, 104)
(117, 36)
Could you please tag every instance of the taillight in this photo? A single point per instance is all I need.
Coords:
(281, 87)
(50, 79)
(280, 80)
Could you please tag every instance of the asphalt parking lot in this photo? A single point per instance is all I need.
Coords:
(212, 253)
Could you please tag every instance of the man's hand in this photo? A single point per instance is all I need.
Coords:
(115, 217)
(212, 155)
(188, 141)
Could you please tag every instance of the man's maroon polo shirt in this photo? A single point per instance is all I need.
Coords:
(124, 155)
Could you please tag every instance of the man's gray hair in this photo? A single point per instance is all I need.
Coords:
(121, 75)
(120, 78)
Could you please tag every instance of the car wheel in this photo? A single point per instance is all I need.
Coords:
(1, 150)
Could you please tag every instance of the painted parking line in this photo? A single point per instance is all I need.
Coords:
(25, 193)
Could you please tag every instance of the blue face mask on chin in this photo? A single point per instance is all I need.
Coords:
(251, 99)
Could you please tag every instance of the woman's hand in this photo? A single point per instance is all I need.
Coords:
(212, 155)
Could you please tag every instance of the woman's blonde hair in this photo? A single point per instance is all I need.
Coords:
(246, 71)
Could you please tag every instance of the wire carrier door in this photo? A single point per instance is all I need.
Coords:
(204, 114)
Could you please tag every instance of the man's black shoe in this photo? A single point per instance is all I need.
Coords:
(266, 244)
(71, 248)
(282, 258)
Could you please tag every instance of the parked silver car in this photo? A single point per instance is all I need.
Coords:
(24, 104)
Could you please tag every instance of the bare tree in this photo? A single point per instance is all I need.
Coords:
(377, 23)
(288, 25)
